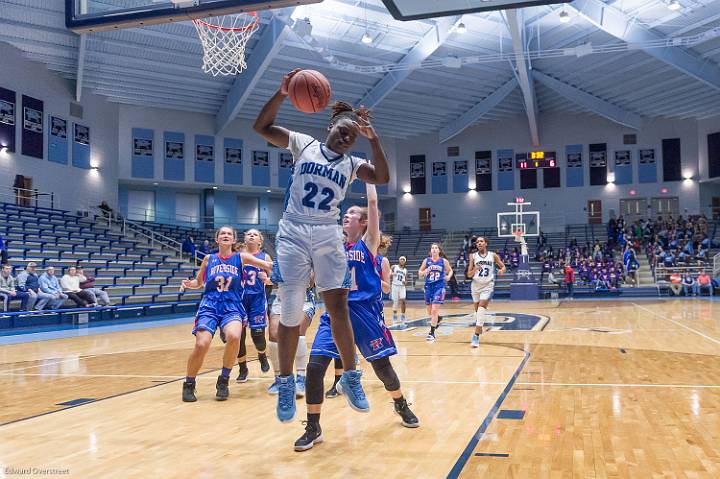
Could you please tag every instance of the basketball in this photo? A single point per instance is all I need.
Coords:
(309, 91)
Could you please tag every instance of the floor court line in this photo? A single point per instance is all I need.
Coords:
(80, 358)
(662, 316)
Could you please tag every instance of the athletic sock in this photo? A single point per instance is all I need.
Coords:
(337, 380)
(313, 418)
(399, 400)
(301, 356)
(274, 357)
(432, 329)
(190, 380)
(226, 372)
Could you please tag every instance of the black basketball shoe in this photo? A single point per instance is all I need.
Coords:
(264, 363)
(408, 418)
(222, 388)
(243, 374)
(188, 394)
(312, 436)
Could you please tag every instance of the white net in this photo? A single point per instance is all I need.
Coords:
(224, 40)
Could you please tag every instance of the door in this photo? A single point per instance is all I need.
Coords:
(633, 209)
(665, 206)
(424, 220)
(594, 210)
(715, 207)
(141, 205)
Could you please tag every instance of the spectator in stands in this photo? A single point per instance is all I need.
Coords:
(675, 283)
(703, 281)
(50, 286)
(105, 208)
(569, 280)
(554, 280)
(466, 244)
(688, 283)
(27, 282)
(3, 251)
(70, 283)
(188, 245)
(8, 289)
(87, 284)
(205, 248)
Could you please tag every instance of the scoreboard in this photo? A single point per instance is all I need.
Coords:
(535, 159)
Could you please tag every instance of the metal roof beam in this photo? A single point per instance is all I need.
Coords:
(80, 67)
(590, 102)
(517, 31)
(616, 23)
(427, 45)
(480, 109)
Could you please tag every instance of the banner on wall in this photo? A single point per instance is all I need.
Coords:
(261, 158)
(57, 140)
(32, 127)
(233, 155)
(142, 147)
(205, 152)
(417, 174)
(7, 119)
(82, 134)
(174, 150)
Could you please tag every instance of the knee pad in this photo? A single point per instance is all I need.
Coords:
(386, 373)
(258, 337)
(480, 316)
(292, 297)
(315, 373)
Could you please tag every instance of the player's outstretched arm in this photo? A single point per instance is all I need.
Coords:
(250, 259)
(448, 270)
(199, 280)
(265, 122)
(377, 172)
(372, 234)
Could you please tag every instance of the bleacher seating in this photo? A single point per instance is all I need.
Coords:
(127, 268)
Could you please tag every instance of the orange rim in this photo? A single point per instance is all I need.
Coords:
(229, 29)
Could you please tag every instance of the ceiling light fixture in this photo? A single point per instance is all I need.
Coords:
(366, 38)
(564, 17)
(461, 28)
(673, 5)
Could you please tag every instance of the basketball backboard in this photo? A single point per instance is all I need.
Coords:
(83, 16)
(417, 9)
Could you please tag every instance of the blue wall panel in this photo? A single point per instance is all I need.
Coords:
(142, 166)
(57, 140)
(506, 179)
(575, 176)
(204, 169)
(647, 172)
(232, 172)
(81, 146)
(460, 183)
(173, 167)
(623, 174)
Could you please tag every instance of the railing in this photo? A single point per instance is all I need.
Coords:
(27, 197)
(716, 265)
(663, 272)
(126, 227)
(198, 221)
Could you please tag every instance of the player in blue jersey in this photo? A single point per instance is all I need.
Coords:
(221, 307)
(255, 304)
(437, 271)
(309, 237)
(362, 229)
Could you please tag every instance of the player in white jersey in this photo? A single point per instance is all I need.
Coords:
(482, 271)
(309, 236)
(397, 294)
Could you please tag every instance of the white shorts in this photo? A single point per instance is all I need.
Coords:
(481, 291)
(303, 247)
(397, 292)
(276, 308)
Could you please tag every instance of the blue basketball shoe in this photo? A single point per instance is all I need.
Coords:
(351, 387)
(286, 398)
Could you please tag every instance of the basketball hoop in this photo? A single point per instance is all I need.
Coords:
(224, 42)
(519, 236)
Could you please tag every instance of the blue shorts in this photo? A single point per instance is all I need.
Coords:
(210, 315)
(372, 338)
(434, 294)
(256, 308)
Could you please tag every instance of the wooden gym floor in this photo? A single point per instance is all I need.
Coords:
(604, 389)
